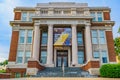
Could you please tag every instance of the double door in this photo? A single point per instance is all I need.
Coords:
(62, 58)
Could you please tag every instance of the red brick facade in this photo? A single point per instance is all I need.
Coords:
(110, 45)
(13, 46)
(4, 75)
(106, 15)
(22, 71)
(17, 16)
(91, 64)
(35, 64)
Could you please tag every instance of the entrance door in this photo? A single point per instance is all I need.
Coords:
(62, 58)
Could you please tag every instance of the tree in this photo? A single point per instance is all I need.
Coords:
(117, 45)
(5, 62)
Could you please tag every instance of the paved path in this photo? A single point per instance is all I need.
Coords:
(63, 79)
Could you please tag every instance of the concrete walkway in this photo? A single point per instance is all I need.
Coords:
(63, 79)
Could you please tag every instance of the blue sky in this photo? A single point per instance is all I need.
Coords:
(6, 12)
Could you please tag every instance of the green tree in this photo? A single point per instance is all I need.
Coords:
(5, 62)
(117, 45)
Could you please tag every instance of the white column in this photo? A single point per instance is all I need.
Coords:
(50, 46)
(74, 45)
(36, 43)
(88, 42)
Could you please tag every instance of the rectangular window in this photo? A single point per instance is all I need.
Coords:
(31, 14)
(80, 57)
(21, 36)
(104, 57)
(102, 36)
(44, 11)
(67, 12)
(96, 54)
(44, 37)
(27, 56)
(79, 38)
(94, 16)
(43, 56)
(24, 16)
(29, 36)
(99, 16)
(17, 75)
(20, 56)
(94, 37)
(57, 11)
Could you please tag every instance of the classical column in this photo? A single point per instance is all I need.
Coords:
(74, 45)
(36, 43)
(50, 46)
(88, 42)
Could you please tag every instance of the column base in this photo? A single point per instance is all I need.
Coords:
(49, 65)
(75, 65)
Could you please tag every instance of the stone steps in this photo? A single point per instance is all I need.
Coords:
(57, 72)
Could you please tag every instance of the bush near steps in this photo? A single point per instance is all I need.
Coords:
(110, 71)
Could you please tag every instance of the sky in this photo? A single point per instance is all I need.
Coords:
(7, 15)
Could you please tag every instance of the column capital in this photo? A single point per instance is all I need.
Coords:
(50, 25)
(73, 25)
(37, 24)
(88, 24)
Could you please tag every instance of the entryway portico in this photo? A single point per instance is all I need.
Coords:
(72, 58)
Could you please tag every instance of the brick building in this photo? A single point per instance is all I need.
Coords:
(60, 33)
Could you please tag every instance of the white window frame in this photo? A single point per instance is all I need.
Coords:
(28, 15)
(98, 35)
(22, 57)
(96, 16)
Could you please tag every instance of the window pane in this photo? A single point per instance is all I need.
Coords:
(102, 36)
(29, 36)
(94, 40)
(24, 16)
(96, 54)
(104, 56)
(21, 39)
(99, 15)
(27, 56)
(43, 56)
(101, 32)
(44, 38)
(30, 16)
(94, 16)
(80, 57)
(21, 36)
(20, 56)
(94, 37)
(102, 40)
(94, 33)
(79, 38)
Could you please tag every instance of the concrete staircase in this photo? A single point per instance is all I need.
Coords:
(57, 72)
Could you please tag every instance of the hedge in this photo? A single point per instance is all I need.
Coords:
(110, 70)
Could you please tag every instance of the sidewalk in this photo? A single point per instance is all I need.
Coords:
(63, 79)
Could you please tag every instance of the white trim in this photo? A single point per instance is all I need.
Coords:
(94, 71)
(31, 71)
(17, 65)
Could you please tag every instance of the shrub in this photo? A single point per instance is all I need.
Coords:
(110, 70)
(2, 71)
